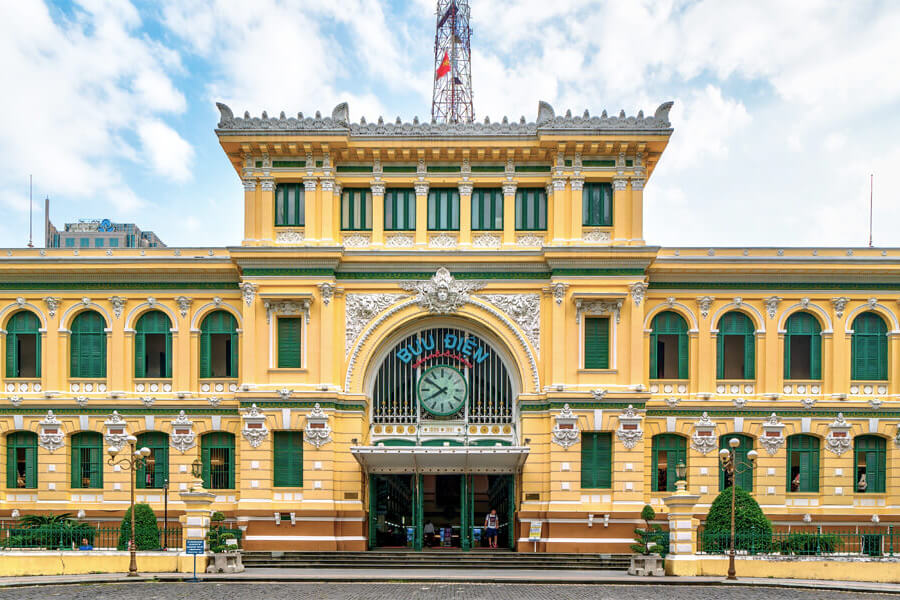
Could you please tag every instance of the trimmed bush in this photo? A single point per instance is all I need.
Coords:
(753, 530)
(808, 544)
(651, 539)
(146, 531)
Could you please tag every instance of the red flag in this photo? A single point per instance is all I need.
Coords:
(444, 68)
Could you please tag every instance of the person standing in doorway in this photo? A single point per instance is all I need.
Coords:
(491, 525)
(429, 534)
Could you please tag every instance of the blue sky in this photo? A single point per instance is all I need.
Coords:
(781, 109)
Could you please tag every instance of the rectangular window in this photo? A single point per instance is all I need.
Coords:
(70, 242)
(290, 205)
(596, 459)
(487, 209)
(668, 451)
(443, 209)
(596, 343)
(85, 242)
(288, 459)
(356, 210)
(113, 242)
(220, 468)
(98, 242)
(531, 209)
(803, 464)
(596, 205)
(399, 210)
(289, 342)
(870, 465)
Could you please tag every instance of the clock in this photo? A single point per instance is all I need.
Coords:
(442, 390)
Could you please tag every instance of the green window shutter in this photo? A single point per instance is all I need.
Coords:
(815, 358)
(38, 354)
(288, 449)
(205, 459)
(787, 356)
(596, 460)
(814, 466)
(683, 346)
(675, 448)
(31, 467)
(235, 352)
(11, 475)
(74, 354)
(596, 343)
(140, 355)
(531, 209)
(750, 355)
(12, 369)
(654, 368)
(588, 466)
(720, 355)
(167, 368)
(869, 347)
(205, 354)
(289, 342)
(162, 464)
(76, 465)
(596, 205)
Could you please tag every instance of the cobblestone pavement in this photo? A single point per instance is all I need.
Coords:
(418, 591)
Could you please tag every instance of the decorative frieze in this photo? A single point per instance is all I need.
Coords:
(317, 431)
(612, 307)
(596, 236)
(703, 439)
(487, 240)
(629, 431)
(287, 307)
(357, 240)
(290, 236)
(838, 439)
(565, 429)
(182, 437)
(361, 309)
(248, 291)
(524, 309)
(400, 240)
(530, 240)
(442, 294)
(254, 429)
(773, 434)
(50, 436)
(443, 241)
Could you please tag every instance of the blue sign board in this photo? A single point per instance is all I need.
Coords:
(194, 546)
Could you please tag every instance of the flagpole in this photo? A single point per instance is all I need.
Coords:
(871, 195)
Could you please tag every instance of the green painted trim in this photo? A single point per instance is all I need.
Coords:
(597, 272)
(439, 442)
(399, 169)
(532, 168)
(770, 285)
(525, 405)
(335, 404)
(629, 163)
(325, 272)
(598, 163)
(288, 163)
(488, 168)
(491, 443)
(118, 285)
(107, 410)
(765, 413)
(395, 442)
(444, 169)
(430, 274)
(354, 168)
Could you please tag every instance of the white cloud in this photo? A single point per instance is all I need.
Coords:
(168, 152)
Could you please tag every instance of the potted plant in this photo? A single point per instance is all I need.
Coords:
(650, 547)
(223, 547)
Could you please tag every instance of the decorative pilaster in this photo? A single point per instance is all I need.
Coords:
(377, 188)
(465, 213)
(421, 188)
(683, 526)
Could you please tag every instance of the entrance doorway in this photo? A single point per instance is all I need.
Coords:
(437, 512)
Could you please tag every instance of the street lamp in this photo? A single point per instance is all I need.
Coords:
(131, 463)
(732, 467)
(681, 475)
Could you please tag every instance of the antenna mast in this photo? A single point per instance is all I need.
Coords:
(452, 98)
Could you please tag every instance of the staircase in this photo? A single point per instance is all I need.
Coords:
(444, 559)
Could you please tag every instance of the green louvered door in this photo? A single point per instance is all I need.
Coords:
(88, 346)
(288, 455)
(869, 348)
(289, 351)
(596, 343)
(596, 459)
(87, 460)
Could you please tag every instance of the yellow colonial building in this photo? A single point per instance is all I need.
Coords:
(425, 322)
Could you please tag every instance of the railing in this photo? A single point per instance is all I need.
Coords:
(51, 537)
(858, 542)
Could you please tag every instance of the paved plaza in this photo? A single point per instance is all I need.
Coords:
(418, 591)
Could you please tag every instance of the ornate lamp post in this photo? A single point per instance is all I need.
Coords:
(131, 463)
(681, 481)
(732, 467)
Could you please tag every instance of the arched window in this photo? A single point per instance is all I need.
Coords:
(744, 478)
(802, 347)
(802, 463)
(21, 460)
(155, 471)
(869, 347)
(87, 354)
(869, 455)
(87, 460)
(668, 347)
(219, 345)
(668, 451)
(23, 345)
(217, 455)
(735, 347)
(153, 345)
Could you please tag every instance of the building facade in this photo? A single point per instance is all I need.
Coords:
(425, 322)
(98, 233)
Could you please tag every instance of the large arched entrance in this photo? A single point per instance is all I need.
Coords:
(444, 447)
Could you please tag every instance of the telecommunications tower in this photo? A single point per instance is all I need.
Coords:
(452, 98)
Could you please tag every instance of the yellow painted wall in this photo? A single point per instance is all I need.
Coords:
(18, 564)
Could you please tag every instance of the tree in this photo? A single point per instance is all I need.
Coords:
(146, 530)
(753, 531)
(651, 539)
(218, 540)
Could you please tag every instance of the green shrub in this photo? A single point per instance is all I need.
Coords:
(753, 530)
(146, 530)
(650, 539)
(808, 544)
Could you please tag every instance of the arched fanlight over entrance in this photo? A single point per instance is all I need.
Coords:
(442, 374)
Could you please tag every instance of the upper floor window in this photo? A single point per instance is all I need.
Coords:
(668, 346)
(869, 455)
(356, 209)
(735, 347)
(803, 463)
(802, 347)
(113, 242)
(596, 342)
(219, 345)
(596, 459)
(85, 242)
(399, 210)
(154, 473)
(87, 460)
(869, 347)
(153, 345)
(21, 459)
(290, 205)
(596, 205)
(98, 242)
(70, 242)
(531, 208)
(217, 456)
(443, 209)
(23, 345)
(487, 209)
(745, 476)
(288, 455)
(87, 352)
(668, 450)
(289, 331)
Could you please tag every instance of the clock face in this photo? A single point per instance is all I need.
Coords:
(442, 390)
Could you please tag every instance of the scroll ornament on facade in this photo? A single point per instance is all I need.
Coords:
(703, 440)
(558, 289)
(565, 430)
(773, 434)
(184, 305)
(772, 303)
(524, 309)
(52, 303)
(317, 431)
(838, 439)
(840, 304)
(51, 435)
(704, 303)
(15, 400)
(254, 430)
(287, 307)
(360, 310)
(442, 294)
(638, 291)
(629, 431)
(598, 307)
(248, 291)
(116, 435)
(182, 437)
(327, 290)
(118, 304)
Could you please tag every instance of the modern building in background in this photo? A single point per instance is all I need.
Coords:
(97, 233)
(425, 321)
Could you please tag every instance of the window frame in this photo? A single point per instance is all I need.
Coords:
(16, 327)
(350, 199)
(208, 328)
(80, 366)
(740, 455)
(283, 203)
(810, 484)
(393, 197)
(601, 365)
(91, 441)
(680, 451)
(21, 440)
(677, 326)
(728, 326)
(874, 343)
(487, 198)
(594, 477)
(537, 218)
(158, 443)
(287, 458)
(599, 193)
(443, 209)
(152, 322)
(217, 440)
(298, 321)
(795, 321)
(879, 486)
